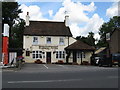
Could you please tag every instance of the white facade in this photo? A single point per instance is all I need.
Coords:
(85, 57)
(37, 47)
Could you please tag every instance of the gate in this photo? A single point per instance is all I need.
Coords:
(12, 57)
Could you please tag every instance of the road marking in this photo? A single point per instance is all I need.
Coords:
(62, 66)
(45, 66)
(10, 82)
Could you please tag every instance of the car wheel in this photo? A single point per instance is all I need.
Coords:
(110, 65)
(118, 65)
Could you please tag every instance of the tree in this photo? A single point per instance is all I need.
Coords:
(17, 35)
(89, 39)
(107, 28)
(10, 13)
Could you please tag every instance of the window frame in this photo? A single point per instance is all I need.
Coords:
(27, 53)
(37, 54)
(60, 54)
(34, 42)
(61, 41)
(48, 42)
(79, 54)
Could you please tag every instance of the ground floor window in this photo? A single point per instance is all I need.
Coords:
(27, 53)
(60, 54)
(37, 54)
(80, 53)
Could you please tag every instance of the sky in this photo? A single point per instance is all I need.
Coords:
(84, 17)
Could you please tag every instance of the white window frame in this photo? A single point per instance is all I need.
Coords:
(60, 54)
(79, 54)
(37, 40)
(61, 41)
(37, 54)
(48, 42)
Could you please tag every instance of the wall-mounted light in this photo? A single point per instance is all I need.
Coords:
(27, 36)
(27, 49)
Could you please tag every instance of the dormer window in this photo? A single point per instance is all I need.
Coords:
(48, 40)
(35, 40)
(61, 41)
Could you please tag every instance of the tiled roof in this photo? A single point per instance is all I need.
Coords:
(47, 28)
(79, 45)
(100, 50)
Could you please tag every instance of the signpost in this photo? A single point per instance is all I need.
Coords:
(108, 39)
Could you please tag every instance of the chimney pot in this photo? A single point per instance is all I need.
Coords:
(27, 13)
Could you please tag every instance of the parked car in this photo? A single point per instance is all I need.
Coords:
(116, 59)
(110, 61)
(105, 61)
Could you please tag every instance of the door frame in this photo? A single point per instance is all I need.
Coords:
(48, 57)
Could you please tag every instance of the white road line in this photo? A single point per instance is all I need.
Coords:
(45, 66)
(62, 66)
(10, 82)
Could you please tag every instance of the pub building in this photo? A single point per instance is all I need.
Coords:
(50, 41)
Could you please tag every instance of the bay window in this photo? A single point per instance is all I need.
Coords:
(37, 54)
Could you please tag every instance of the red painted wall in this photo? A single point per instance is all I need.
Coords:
(5, 50)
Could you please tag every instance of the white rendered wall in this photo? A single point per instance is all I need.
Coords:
(28, 45)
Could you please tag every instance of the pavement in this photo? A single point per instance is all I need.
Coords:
(61, 76)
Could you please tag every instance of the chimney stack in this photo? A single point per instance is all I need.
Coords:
(27, 19)
(67, 21)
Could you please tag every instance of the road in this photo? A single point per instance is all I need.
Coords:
(61, 76)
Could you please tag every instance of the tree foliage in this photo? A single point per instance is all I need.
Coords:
(16, 40)
(107, 27)
(10, 11)
(10, 14)
(90, 40)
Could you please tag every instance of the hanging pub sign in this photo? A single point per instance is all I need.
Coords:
(108, 37)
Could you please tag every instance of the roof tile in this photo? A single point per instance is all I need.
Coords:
(47, 28)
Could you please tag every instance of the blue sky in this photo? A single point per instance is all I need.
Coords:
(45, 6)
(84, 16)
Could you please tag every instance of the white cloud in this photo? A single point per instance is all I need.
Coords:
(78, 14)
(50, 13)
(34, 11)
(113, 10)
(93, 25)
(77, 11)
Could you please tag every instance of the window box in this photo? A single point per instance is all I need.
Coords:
(60, 62)
(38, 61)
